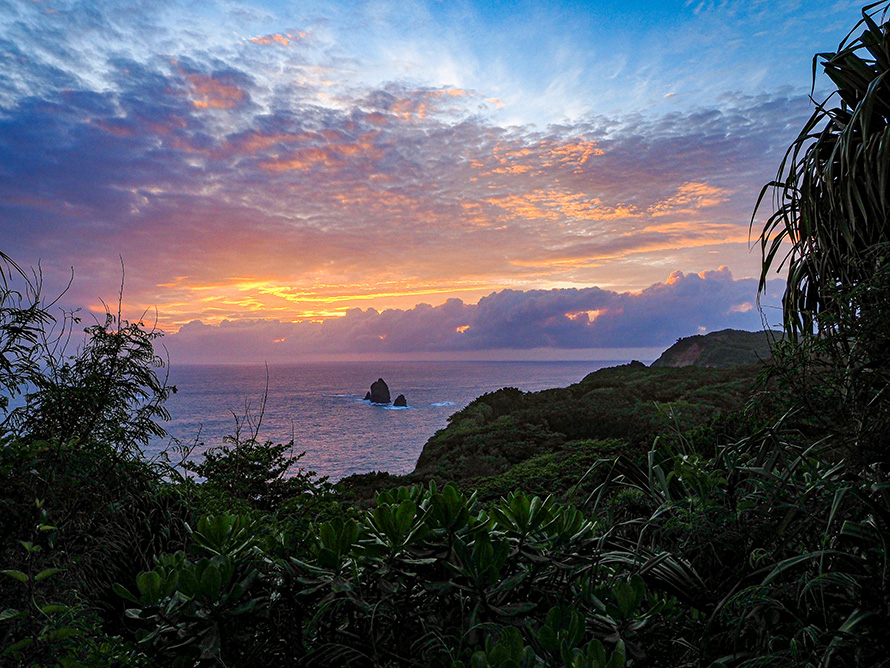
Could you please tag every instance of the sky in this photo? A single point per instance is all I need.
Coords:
(408, 179)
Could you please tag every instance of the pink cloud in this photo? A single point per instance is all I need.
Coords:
(296, 210)
(684, 304)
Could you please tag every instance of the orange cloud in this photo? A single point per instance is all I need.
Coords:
(713, 232)
(210, 93)
(419, 105)
(572, 153)
(558, 205)
(512, 169)
(312, 295)
(689, 197)
(545, 155)
(256, 142)
(333, 154)
(409, 109)
(590, 316)
(278, 38)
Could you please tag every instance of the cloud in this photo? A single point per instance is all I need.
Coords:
(241, 179)
(560, 319)
(209, 92)
(326, 201)
(279, 38)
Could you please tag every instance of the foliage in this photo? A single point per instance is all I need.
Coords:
(429, 573)
(41, 630)
(263, 474)
(211, 606)
(766, 541)
(22, 320)
(38, 625)
(841, 378)
(833, 187)
(832, 195)
(499, 430)
(715, 523)
(722, 349)
(109, 391)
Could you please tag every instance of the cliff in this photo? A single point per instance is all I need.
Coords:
(719, 350)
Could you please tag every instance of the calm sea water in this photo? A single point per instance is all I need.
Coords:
(321, 406)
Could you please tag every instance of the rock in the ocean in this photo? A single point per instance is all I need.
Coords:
(367, 396)
(400, 401)
(379, 392)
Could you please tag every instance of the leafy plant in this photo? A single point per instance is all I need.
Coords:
(51, 623)
(210, 608)
(108, 391)
(23, 318)
(263, 474)
(833, 185)
(39, 626)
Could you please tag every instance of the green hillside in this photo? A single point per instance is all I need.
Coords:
(726, 348)
(626, 406)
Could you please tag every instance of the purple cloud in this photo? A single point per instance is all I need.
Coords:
(572, 319)
(256, 177)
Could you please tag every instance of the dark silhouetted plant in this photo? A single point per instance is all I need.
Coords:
(108, 391)
(23, 319)
(833, 186)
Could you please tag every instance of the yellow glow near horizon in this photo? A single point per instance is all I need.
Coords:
(213, 303)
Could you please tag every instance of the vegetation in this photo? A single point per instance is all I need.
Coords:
(642, 517)
(726, 348)
(832, 186)
(631, 403)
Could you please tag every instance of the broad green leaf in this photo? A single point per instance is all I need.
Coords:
(149, 583)
(211, 581)
(47, 572)
(122, 591)
(20, 645)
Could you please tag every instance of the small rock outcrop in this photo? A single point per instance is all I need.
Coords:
(400, 401)
(367, 396)
(379, 393)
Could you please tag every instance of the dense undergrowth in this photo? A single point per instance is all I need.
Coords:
(644, 517)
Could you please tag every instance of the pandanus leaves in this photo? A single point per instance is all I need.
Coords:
(832, 190)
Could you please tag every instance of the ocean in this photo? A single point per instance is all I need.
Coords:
(320, 405)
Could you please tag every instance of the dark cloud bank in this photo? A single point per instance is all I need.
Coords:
(588, 318)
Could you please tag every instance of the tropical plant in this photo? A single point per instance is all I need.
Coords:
(832, 190)
(263, 474)
(50, 624)
(23, 318)
(109, 390)
(431, 578)
(832, 197)
(213, 605)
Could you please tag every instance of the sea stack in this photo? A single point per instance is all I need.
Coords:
(400, 401)
(379, 393)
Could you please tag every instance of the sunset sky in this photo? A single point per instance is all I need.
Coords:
(302, 180)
